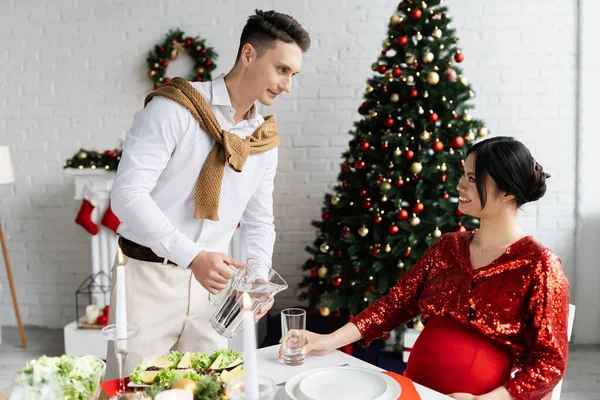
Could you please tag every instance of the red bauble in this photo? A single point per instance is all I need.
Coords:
(208, 63)
(416, 64)
(345, 169)
(409, 154)
(461, 228)
(459, 57)
(375, 251)
(457, 142)
(384, 145)
(437, 146)
(459, 213)
(363, 108)
(396, 72)
(407, 252)
(337, 281)
(435, 17)
(309, 288)
(378, 219)
(380, 178)
(363, 192)
(416, 13)
(346, 231)
(419, 207)
(393, 229)
(370, 288)
(446, 196)
(167, 80)
(203, 52)
(402, 215)
(360, 164)
(408, 123)
(199, 79)
(403, 40)
(345, 185)
(364, 146)
(400, 182)
(444, 177)
(189, 41)
(389, 122)
(382, 68)
(325, 216)
(414, 93)
(165, 64)
(454, 114)
(385, 89)
(161, 49)
(433, 117)
(366, 204)
(340, 254)
(313, 273)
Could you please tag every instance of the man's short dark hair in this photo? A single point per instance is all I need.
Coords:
(265, 28)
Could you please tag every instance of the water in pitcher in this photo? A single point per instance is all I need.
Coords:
(227, 321)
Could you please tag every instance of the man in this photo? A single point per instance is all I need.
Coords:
(192, 168)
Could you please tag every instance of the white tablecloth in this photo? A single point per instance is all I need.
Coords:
(272, 367)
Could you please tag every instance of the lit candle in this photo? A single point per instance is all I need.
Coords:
(250, 362)
(121, 303)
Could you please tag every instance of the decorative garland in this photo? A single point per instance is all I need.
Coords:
(173, 47)
(109, 160)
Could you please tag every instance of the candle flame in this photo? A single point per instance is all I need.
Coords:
(120, 256)
(246, 301)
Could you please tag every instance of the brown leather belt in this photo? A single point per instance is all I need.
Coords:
(139, 252)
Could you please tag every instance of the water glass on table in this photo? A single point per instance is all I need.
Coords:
(293, 331)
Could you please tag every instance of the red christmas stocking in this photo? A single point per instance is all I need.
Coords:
(84, 217)
(110, 220)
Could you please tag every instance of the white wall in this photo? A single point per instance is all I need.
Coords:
(74, 73)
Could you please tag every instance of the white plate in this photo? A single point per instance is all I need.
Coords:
(346, 383)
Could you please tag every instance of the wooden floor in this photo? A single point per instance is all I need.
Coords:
(581, 383)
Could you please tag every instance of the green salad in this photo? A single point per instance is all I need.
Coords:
(79, 377)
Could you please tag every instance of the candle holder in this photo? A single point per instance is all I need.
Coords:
(120, 345)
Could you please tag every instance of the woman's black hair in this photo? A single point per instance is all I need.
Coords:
(510, 164)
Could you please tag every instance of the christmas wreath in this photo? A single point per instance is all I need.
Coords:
(174, 46)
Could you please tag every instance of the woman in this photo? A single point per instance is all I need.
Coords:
(494, 301)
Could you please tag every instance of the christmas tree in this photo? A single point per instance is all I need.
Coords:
(397, 186)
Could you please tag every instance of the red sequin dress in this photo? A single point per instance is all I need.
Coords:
(519, 303)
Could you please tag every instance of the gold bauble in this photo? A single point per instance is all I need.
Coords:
(318, 234)
(151, 73)
(471, 136)
(375, 66)
(384, 198)
(397, 151)
(82, 155)
(156, 65)
(437, 33)
(160, 79)
(325, 311)
(386, 44)
(464, 80)
(433, 78)
(185, 384)
(373, 114)
(466, 117)
(443, 168)
(425, 136)
(385, 186)
(324, 247)
(421, 111)
(416, 168)
(322, 272)
(387, 248)
(423, 5)
(437, 233)
(482, 131)
(471, 93)
(200, 70)
(428, 57)
(400, 264)
(418, 36)
(425, 94)
(363, 231)
(414, 221)
(198, 48)
(410, 79)
(351, 160)
(394, 98)
(369, 89)
(395, 19)
(335, 200)
(388, 75)
(410, 58)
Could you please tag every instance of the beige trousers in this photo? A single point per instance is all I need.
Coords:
(170, 307)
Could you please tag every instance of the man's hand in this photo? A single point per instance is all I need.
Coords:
(263, 309)
(212, 270)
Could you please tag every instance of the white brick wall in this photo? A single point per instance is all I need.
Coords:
(74, 73)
